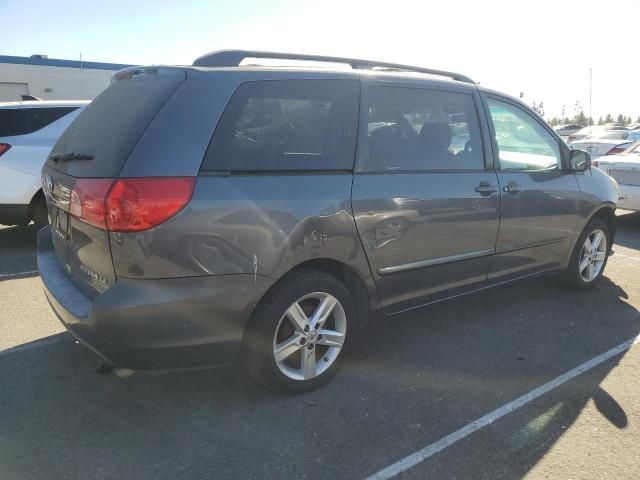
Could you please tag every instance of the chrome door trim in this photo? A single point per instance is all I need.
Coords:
(434, 261)
(532, 245)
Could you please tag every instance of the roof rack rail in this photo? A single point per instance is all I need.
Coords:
(233, 58)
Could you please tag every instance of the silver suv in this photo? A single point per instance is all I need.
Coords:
(215, 212)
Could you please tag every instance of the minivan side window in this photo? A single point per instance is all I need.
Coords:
(417, 129)
(523, 144)
(22, 121)
(295, 125)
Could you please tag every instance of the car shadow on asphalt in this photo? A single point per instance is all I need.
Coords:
(609, 408)
(628, 225)
(570, 328)
(18, 249)
(411, 380)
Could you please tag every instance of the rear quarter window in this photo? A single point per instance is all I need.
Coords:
(280, 125)
(23, 121)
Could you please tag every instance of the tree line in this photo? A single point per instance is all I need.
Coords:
(580, 118)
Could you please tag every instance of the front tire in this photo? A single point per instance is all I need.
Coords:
(300, 332)
(39, 213)
(589, 256)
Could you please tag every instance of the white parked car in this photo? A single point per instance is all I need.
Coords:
(609, 143)
(28, 131)
(624, 168)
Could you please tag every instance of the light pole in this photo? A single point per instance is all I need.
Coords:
(590, 91)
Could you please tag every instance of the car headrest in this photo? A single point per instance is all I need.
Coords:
(435, 136)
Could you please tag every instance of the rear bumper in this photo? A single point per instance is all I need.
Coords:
(155, 324)
(14, 214)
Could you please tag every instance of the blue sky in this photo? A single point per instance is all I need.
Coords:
(543, 47)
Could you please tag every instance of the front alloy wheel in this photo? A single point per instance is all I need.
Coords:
(589, 256)
(593, 255)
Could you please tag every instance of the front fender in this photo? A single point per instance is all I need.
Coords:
(598, 191)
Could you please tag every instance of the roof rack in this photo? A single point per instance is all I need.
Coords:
(233, 58)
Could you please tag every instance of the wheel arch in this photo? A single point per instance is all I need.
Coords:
(606, 212)
(365, 296)
(39, 195)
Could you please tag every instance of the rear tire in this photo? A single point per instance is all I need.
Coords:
(39, 213)
(589, 256)
(292, 344)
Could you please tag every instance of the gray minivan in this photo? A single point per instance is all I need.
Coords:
(216, 212)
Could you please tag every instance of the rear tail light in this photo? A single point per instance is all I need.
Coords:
(4, 147)
(616, 150)
(130, 204)
(88, 200)
(571, 138)
(136, 204)
(594, 163)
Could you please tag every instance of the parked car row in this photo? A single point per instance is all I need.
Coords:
(624, 168)
(600, 140)
(608, 143)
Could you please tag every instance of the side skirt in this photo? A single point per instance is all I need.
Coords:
(452, 294)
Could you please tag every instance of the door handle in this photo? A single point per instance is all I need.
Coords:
(485, 189)
(513, 188)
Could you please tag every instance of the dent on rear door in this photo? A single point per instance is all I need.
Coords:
(435, 220)
(429, 225)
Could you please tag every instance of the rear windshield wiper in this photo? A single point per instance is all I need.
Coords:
(64, 157)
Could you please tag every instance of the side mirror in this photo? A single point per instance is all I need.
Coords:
(579, 161)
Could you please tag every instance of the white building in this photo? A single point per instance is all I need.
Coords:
(53, 79)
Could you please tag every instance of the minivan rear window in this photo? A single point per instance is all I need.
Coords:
(22, 121)
(281, 125)
(111, 125)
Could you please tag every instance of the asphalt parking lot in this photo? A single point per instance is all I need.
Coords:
(411, 382)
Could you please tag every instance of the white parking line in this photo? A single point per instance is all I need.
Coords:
(36, 343)
(4, 276)
(430, 450)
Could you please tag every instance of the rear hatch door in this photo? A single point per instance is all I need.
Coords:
(82, 249)
(96, 146)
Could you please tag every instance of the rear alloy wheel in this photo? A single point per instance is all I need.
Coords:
(298, 335)
(309, 336)
(589, 256)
